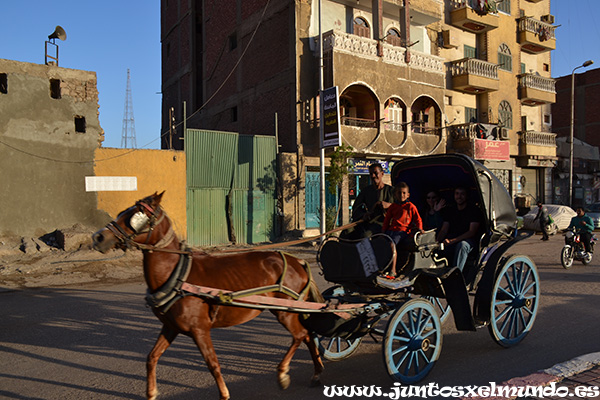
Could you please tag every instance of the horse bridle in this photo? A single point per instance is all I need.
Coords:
(127, 240)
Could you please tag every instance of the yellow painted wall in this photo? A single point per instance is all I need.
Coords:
(156, 170)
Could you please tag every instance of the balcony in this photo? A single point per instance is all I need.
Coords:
(536, 146)
(536, 36)
(366, 48)
(464, 14)
(480, 141)
(470, 75)
(536, 90)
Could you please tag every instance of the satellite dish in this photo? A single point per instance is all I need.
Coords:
(59, 33)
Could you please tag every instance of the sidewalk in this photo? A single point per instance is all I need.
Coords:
(581, 372)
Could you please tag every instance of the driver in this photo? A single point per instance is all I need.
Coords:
(372, 203)
(584, 225)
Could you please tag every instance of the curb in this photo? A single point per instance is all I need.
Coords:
(550, 375)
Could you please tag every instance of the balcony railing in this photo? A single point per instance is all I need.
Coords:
(475, 67)
(367, 48)
(359, 122)
(533, 81)
(538, 138)
(544, 30)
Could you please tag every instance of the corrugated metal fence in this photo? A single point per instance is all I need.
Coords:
(231, 187)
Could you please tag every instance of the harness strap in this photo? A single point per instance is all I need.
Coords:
(166, 295)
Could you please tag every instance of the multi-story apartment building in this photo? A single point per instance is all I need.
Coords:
(415, 77)
(586, 119)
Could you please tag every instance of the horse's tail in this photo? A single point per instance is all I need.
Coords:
(314, 294)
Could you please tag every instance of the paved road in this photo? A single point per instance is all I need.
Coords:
(91, 342)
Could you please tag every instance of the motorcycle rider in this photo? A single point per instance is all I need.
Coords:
(584, 225)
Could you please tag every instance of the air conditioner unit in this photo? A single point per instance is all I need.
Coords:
(548, 18)
(449, 39)
(503, 134)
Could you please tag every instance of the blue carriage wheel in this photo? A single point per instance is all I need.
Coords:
(336, 348)
(413, 341)
(441, 306)
(515, 301)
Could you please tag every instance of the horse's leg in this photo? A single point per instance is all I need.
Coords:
(316, 357)
(299, 335)
(204, 342)
(166, 337)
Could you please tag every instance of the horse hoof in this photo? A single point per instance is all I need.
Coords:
(315, 382)
(152, 396)
(284, 381)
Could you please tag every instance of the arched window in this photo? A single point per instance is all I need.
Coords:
(393, 37)
(504, 57)
(361, 27)
(505, 114)
(395, 115)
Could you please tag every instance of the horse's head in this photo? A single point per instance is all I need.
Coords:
(132, 226)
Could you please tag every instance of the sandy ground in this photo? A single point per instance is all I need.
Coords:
(42, 262)
(66, 257)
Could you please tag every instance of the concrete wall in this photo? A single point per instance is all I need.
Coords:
(44, 158)
(156, 170)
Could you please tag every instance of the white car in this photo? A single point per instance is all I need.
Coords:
(560, 214)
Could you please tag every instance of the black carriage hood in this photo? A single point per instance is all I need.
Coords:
(444, 172)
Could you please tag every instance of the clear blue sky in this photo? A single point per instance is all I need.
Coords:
(104, 36)
(577, 37)
(110, 36)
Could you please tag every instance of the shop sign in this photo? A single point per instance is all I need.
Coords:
(492, 150)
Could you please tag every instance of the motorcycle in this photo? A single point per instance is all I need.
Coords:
(575, 250)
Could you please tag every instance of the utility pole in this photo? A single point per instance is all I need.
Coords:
(128, 131)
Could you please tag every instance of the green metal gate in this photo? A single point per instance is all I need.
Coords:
(231, 187)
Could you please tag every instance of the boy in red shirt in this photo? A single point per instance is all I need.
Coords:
(402, 218)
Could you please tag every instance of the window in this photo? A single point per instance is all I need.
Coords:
(234, 114)
(470, 52)
(546, 67)
(79, 124)
(547, 119)
(503, 6)
(504, 58)
(523, 68)
(361, 27)
(470, 114)
(505, 114)
(393, 37)
(395, 115)
(3, 83)
(55, 88)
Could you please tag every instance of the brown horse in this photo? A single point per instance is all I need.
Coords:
(146, 226)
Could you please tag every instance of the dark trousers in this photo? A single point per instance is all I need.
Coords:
(543, 225)
(586, 238)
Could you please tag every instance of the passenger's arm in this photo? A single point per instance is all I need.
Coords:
(472, 232)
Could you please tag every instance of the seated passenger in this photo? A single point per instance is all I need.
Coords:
(460, 229)
(402, 219)
(432, 214)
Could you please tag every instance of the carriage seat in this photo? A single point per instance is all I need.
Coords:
(355, 261)
(418, 253)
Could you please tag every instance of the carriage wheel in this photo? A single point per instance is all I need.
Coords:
(441, 306)
(566, 257)
(413, 341)
(515, 300)
(336, 348)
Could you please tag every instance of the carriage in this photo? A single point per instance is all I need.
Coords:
(192, 292)
(409, 314)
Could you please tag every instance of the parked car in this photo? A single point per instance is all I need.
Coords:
(593, 210)
(560, 214)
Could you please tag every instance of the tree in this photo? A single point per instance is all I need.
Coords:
(339, 167)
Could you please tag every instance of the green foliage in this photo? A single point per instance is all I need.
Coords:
(339, 166)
